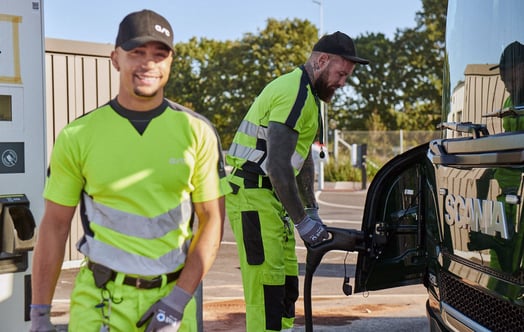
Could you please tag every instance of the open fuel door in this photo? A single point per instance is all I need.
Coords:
(394, 223)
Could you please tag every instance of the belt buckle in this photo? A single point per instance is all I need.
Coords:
(147, 283)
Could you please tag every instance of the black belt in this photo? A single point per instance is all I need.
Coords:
(108, 274)
(253, 180)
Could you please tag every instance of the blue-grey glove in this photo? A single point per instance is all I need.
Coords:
(41, 318)
(312, 231)
(166, 314)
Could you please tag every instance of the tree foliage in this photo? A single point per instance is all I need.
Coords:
(221, 79)
(400, 89)
(403, 83)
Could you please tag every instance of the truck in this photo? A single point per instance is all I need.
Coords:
(448, 213)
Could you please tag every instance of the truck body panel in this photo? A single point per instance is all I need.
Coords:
(449, 213)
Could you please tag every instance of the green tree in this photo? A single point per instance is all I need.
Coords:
(400, 89)
(369, 90)
(423, 51)
(221, 79)
(403, 83)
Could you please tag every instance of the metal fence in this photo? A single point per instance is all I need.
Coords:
(381, 145)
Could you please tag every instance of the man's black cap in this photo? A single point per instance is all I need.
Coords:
(512, 55)
(340, 44)
(141, 27)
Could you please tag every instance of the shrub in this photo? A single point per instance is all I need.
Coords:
(341, 170)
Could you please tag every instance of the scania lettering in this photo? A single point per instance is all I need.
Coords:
(477, 215)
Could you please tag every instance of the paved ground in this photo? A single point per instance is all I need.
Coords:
(400, 309)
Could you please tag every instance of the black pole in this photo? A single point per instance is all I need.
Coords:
(364, 176)
(363, 152)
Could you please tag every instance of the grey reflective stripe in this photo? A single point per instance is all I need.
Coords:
(246, 153)
(125, 262)
(138, 226)
(254, 155)
(135, 226)
(253, 130)
(297, 161)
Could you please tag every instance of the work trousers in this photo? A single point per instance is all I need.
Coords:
(268, 262)
(119, 306)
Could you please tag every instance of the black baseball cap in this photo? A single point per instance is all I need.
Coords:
(512, 55)
(141, 27)
(340, 44)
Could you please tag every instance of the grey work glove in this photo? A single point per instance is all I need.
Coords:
(41, 318)
(166, 314)
(312, 231)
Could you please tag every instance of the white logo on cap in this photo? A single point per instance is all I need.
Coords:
(163, 30)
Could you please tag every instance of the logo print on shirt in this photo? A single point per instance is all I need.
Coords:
(176, 161)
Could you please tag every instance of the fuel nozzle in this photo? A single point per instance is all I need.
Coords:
(340, 239)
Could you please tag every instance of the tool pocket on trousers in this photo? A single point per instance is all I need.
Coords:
(234, 188)
(252, 237)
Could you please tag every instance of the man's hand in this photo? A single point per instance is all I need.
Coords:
(166, 314)
(312, 231)
(41, 318)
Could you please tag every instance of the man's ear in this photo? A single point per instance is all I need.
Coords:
(323, 60)
(114, 60)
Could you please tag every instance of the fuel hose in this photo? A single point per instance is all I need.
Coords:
(340, 239)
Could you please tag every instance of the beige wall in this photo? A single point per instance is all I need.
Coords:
(79, 77)
(484, 93)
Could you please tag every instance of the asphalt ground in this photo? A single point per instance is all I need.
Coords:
(341, 205)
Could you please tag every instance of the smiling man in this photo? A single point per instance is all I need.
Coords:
(140, 167)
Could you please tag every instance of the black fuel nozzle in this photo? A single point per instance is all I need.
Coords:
(340, 239)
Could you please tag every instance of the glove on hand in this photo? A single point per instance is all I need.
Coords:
(313, 214)
(41, 318)
(312, 231)
(167, 312)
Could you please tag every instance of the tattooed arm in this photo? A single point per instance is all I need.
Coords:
(295, 193)
(282, 141)
(306, 183)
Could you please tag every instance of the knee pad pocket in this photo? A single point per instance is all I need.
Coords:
(274, 306)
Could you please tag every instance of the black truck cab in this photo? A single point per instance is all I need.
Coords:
(449, 213)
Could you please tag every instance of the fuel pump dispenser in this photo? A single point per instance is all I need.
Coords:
(22, 153)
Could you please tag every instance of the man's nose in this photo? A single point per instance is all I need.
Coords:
(148, 60)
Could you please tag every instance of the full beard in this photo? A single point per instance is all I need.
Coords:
(323, 90)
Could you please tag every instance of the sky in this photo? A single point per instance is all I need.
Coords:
(97, 20)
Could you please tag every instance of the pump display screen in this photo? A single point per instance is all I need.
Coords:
(6, 106)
